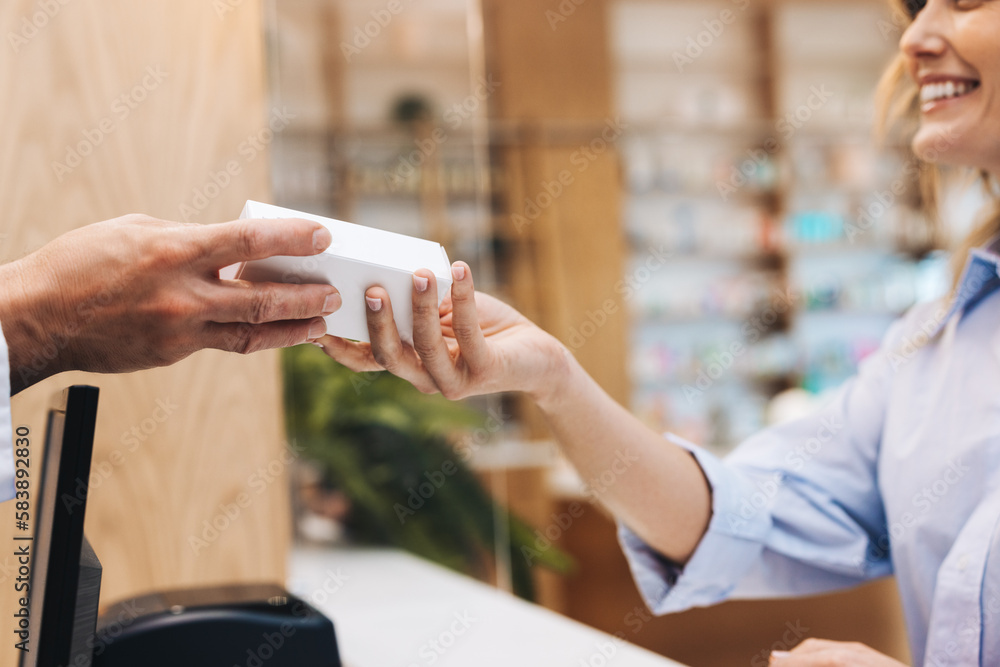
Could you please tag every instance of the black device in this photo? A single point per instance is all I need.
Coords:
(62, 617)
(221, 626)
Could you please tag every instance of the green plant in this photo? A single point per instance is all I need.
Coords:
(378, 440)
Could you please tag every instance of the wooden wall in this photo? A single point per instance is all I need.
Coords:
(165, 92)
(555, 110)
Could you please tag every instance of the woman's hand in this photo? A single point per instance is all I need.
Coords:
(825, 653)
(472, 344)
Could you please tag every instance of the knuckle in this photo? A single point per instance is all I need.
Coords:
(463, 330)
(169, 309)
(242, 340)
(249, 240)
(387, 356)
(263, 306)
(136, 219)
(425, 349)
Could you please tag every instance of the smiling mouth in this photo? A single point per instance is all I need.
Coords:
(932, 93)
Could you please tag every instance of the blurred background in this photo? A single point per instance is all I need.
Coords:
(687, 193)
(722, 187)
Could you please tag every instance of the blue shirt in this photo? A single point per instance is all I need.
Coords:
(898, 474)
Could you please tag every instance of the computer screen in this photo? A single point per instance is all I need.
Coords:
(59, 613)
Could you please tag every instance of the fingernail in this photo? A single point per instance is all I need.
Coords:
(780, 654)
(332, 304)
(420, 283)
(318, 345)
(317, 329)
(322, 238)
(458, 272)
(374, 305)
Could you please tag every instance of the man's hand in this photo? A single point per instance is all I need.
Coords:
(136, 292)
(826, 653)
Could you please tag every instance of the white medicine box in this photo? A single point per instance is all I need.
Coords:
(359, 257)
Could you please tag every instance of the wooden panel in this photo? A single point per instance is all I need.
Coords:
(563, 193)
(154, 97)
(552, 58)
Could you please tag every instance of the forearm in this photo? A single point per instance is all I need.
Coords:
(655, 487)
(474, 344)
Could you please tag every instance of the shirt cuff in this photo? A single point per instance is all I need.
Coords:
(6, 429)
(730, 546)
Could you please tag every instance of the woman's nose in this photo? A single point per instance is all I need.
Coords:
(927, 35)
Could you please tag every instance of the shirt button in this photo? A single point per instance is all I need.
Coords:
(963, 562)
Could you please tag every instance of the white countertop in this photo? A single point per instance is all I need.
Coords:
(392, 609)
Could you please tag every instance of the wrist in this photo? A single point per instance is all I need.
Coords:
(557, 376)
(20, 319)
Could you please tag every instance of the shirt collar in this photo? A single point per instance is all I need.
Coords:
(980, 278)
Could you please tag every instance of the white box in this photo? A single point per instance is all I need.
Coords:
(359, 258)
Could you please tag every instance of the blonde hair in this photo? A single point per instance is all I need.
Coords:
(898, 119)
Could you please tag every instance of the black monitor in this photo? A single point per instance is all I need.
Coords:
(65, 574)
(204, 627)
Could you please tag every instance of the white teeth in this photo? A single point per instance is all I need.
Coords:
(932, 92)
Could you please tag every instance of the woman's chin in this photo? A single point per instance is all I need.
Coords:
(943, 143)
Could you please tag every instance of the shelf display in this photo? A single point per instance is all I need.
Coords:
(794, 242)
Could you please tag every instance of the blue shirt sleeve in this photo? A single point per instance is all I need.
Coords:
(796, 509)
